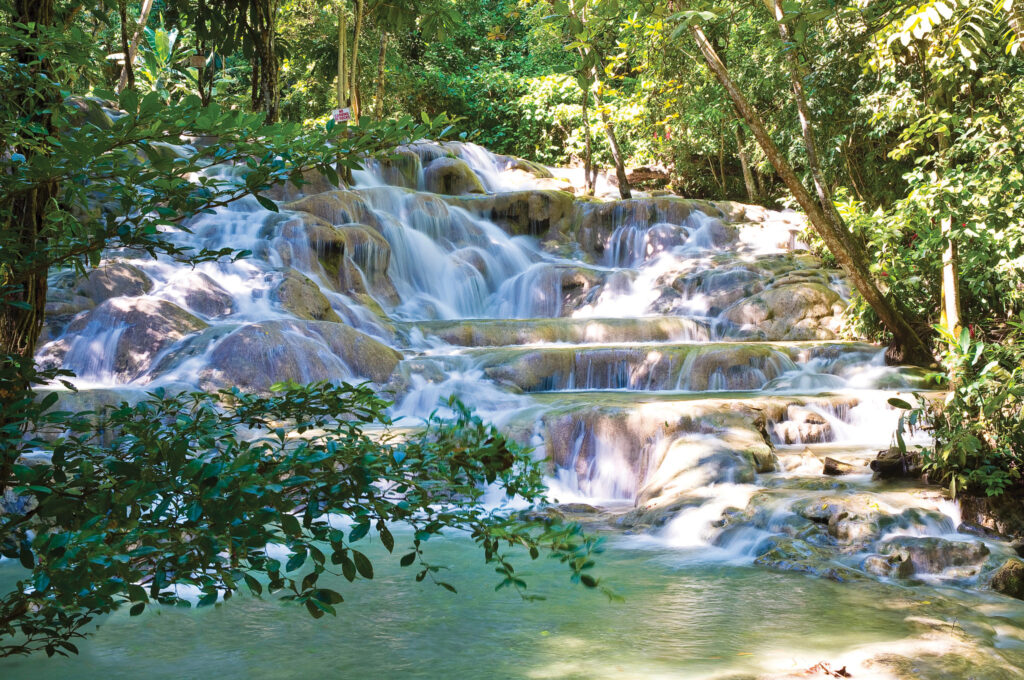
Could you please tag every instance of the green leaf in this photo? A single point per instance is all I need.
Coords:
(266, 203)
(363, 564)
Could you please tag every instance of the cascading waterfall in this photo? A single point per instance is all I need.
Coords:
(676, 362)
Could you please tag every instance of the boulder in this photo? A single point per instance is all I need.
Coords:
(199, 294)
(888, 566)
(132, 331)
(117, 279)
(451, 176)
(793, 554)
(544, 213)
(1001, 515)
(1009, 578)
(791, 310)
(300, 296)
(931, 555)
(335, 207)
(258, 355)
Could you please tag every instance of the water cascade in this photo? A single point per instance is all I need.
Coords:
(676, 361)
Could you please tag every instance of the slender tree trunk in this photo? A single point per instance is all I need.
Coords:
(804, 113)
(378, 97)
(950, 290)
(721, 162)
(353, 72)
(1015, 17)
(835, 235)
(748, 176)
(133, 47)
(126, 70)
(613, 141)
(588, 152)
(342, 55)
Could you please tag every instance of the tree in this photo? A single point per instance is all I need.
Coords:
(131, 47)
(138, 499)
(837, 238)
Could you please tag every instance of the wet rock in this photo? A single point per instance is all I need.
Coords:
(931, 555)
(451, 176)
(850, 519)
(793, 554)
(837, 467)
(1001, 515)
(335, 207)
(1009, 578)
(200, 294)
(691, 463)
(547, 214)
(117, 279)
(894, 464)
(802, 426)
(258, 355)
(888, 566)
(134, 332)
(401, 169)
(300, 296)
(789, 311)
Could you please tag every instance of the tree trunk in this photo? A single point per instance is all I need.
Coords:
(835, 235)
(267, 95)
(122, 11)
(24, 296)
(804, 113)
(613, 141)
(353, 72)
(378, 97)
(950, 290)
(1015, 18)
(748, 176)
(133, 47)
(342, 55)
(588, 152)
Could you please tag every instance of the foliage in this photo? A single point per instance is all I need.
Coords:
(979, 431)
(140, 501)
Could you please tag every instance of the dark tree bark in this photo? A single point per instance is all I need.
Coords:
(122, 11)
(837, 238)
(127, 76)
(24, 213)
(266, 94)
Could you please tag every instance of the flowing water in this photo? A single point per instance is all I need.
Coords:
(677, 363)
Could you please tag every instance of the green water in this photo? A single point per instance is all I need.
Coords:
(679, 620)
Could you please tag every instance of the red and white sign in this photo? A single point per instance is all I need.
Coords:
(342, 115)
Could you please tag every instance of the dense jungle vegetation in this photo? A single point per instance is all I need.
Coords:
(897, 126)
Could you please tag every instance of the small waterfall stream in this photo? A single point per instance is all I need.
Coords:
(676, 361)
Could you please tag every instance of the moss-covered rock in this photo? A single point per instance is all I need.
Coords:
(258, 355)
(547, 214)
(1009, 578)
(790, 311)
(451, 176)
(302, 297)
(933, 555)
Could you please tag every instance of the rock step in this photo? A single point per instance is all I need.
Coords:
(792, 367)
(505, 332)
